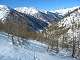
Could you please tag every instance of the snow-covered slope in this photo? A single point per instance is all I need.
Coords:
(71, 22)
(4, 11)
(32, 50)
(70, 18)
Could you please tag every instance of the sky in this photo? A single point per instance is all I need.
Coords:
(42, 4)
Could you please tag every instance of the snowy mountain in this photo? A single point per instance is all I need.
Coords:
(9, 16)
(35, 19)
(47, 17)
(27, 10)
(65, 10)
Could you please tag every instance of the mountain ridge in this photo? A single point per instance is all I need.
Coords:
(29, 23)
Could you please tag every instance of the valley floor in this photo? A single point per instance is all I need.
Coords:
(33, 51)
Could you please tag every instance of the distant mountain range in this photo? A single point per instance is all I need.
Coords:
(44, 16)
(32, 20)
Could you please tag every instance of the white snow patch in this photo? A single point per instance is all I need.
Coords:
(4, 11)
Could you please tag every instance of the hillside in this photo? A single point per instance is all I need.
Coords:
(32, 50)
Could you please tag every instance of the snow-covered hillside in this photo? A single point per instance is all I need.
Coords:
(4, 11)
(32, 50)
(70, 18)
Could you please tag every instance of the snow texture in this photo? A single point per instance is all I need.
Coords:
(4, 11)
(33, 51)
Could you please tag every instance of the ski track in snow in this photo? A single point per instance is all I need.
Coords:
(10, 52)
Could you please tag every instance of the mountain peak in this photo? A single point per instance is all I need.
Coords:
(63, 11)
(4, 6)
(27, 10)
